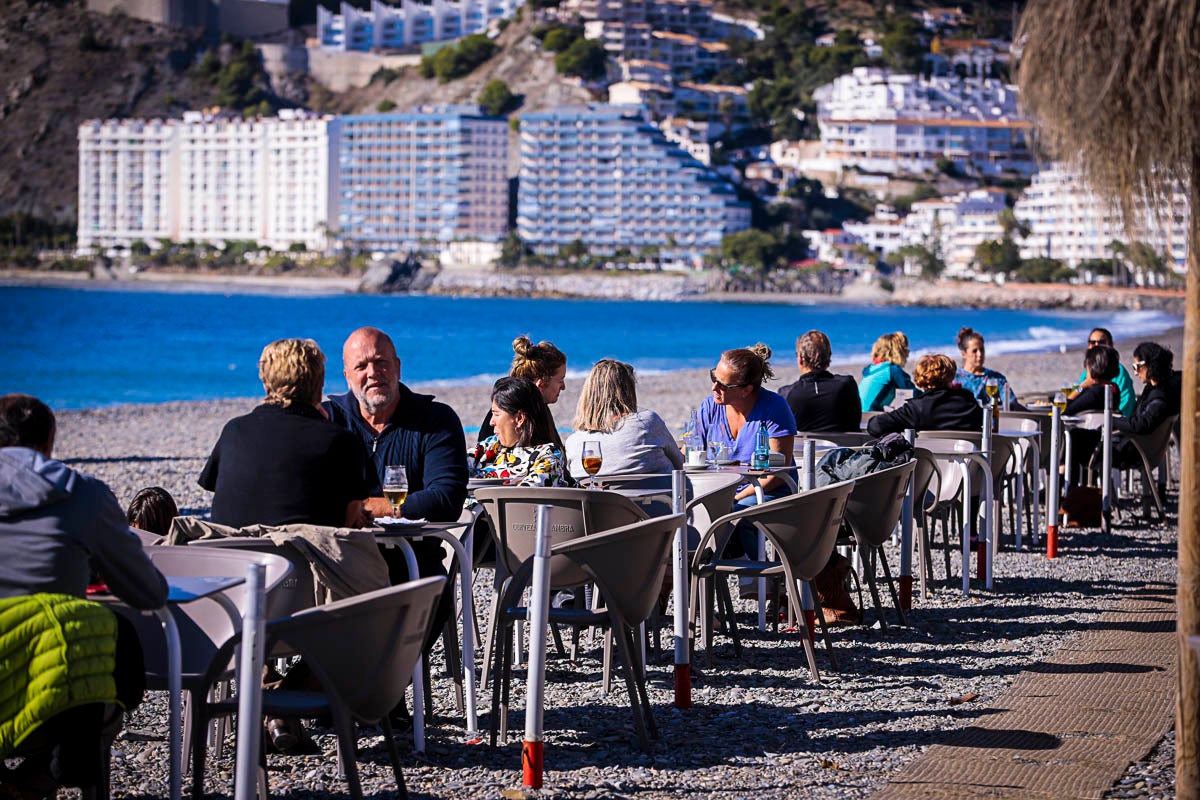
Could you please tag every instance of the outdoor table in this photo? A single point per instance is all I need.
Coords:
(181, 590)
(401, 535)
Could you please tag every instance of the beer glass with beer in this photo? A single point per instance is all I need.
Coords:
(395, 487)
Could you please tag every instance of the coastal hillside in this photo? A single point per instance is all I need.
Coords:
(59, 66)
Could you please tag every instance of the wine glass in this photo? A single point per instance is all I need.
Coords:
(395, 487)
(1060, 400)
(592, 459)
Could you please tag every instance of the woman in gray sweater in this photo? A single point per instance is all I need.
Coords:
(631, 441)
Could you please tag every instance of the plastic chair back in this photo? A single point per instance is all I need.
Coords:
(802, 527)
(627, 564)
(874, 506)
(296, 593)
(835, 438)
(385, 630)
(573, 513)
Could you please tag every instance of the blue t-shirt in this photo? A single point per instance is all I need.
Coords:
(711, 425)
(975, 384)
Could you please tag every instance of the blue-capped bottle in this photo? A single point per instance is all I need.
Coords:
(762, 448)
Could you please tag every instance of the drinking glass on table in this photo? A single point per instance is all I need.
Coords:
(992, 387)
(395, 487)
(1060, 400)
(592, 459)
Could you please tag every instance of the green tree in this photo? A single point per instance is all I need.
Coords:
(752, 250)
(927, 258)
(512, 250)
(585, 58)
(1000, 257)
(559, 39)
(495, 97)
(385, 105)
(1043, 270)
(902, 45)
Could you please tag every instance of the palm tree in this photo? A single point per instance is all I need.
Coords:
(1115, 84)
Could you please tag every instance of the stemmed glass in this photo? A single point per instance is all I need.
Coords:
(592, 459)
(1060, 400)
(992, 387)
(395, 487)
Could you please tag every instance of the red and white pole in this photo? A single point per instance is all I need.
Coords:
(683, 655)
(533, 748)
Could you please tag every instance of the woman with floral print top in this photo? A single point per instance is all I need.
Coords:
(526, 449)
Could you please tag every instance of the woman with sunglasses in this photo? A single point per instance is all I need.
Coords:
(731, 416)
(1152, 363)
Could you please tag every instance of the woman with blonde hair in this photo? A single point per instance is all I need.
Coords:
(942, 407)
(543, 364)
(285, 461)
(885, 374)
(631, 441)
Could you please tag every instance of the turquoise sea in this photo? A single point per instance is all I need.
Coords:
(79, 348)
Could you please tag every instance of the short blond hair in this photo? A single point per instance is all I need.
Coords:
(934, 372)
(292, 371)
(891, 347)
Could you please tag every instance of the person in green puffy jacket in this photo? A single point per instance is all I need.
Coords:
(885, 374)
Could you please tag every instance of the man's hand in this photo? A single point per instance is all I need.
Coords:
(377, 507)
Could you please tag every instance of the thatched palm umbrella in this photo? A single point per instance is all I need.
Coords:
(1116, 84)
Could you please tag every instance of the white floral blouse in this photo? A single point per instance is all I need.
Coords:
(539, 465)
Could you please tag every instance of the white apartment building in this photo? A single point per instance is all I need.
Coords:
(127, 172)
(727, 104)
(205, 178)
(410, 180)
(955, 225)
(1071, 223)
(882, 122)
(387, 27)
(603, 175)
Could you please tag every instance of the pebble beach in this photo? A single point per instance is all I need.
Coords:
(760, 726)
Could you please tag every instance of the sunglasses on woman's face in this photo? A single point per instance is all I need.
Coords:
(1138, 365)
(1096, 342)
(712, 376)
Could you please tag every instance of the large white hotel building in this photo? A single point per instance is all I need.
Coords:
(1070, 222)
(602, 175)
(386, 182)
(879, 121)
(205, 178)
(422, 177)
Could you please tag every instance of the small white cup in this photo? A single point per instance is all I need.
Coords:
(695, 458)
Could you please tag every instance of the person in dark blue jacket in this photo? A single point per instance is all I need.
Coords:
(397, 426)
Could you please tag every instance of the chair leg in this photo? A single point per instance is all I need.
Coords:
(606, 673)
(887, 572)
(454, 661)
(810, 652)
(505, 678)
(726, 611)
(389, 740)
(869, 570)
(625, 651)
(502, 636)
(824, 629)
(427, 682)
(489, 645)
(196, 726)
(709, 591)
(348, 750)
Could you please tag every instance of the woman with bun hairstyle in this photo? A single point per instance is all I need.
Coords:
(739, 402)
(543, 364)
(885, 374)
(973, 375)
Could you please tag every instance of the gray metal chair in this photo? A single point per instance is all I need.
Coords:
(802, 528)
(871, 515)
(1146, 453)
(360, 683)
(627, 565)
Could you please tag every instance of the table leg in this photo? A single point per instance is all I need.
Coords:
(418, 678)
(174, 698)
(465, 570)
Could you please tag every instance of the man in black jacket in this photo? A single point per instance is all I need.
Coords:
(820, 400)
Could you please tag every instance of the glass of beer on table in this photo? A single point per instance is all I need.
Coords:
(395, 487)
(592, 459)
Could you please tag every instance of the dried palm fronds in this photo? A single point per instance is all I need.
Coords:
(1115, 87)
